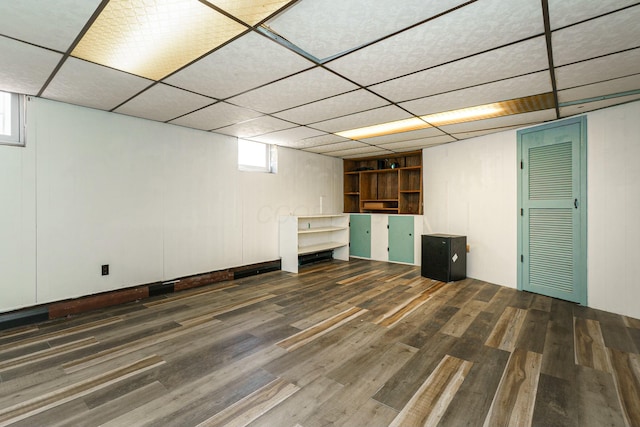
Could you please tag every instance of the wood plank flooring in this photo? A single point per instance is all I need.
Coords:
(359, 343)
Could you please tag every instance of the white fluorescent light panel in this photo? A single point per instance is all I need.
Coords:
(154, 38)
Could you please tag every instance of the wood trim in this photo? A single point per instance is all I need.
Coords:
(110, 298)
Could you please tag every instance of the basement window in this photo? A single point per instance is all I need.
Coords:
(11, 119)
(257, 157)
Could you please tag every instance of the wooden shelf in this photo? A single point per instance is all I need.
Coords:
(381, 171)
(371, 185)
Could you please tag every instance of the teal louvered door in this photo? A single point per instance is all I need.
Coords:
(552, 210)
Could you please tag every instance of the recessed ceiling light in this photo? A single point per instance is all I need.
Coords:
(153, 38)
(514, 106)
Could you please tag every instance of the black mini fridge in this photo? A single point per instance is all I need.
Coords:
(444, 257)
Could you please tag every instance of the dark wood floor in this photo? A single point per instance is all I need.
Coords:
(361, 343)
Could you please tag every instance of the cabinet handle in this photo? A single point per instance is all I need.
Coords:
(410, 234)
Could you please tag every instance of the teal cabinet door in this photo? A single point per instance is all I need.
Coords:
(360, 236)
(401, 239)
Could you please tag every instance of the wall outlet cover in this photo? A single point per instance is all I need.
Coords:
(105, 269)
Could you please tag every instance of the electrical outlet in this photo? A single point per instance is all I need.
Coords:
(105, 269)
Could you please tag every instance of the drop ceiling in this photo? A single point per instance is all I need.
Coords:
(296, 73)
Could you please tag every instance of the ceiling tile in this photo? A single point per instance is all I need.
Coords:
(249, 11)
(91, 85)
(567, 12)
(417, 143)
(293, 91)
(403, 136)
(254, 127)
(372, 153)
(25, 68)
(520, 58)
(346, 145)
(54, 24)
(466, 31)
(216, 116)
(591, 106)
(162, 103)
(608, 34)
(376, 116)
(599, 69)
(359, 152)
(317, 141)
(336, 106)
(326, 28)
(516, 87)
(608, 87)
(248, 62)
(473, 134)
(288, 137)
(498, 122)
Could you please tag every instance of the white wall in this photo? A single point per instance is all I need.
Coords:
(613, 188)
(470, 188)
(154, 201)
(302, 180)
(17, 226)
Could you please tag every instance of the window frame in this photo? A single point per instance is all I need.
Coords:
(18, 131)
(271, 158)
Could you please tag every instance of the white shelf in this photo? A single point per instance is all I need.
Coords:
(307, 234)
(320, 230)
(320, 247)
(304, 217)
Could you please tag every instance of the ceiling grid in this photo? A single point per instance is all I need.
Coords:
(302, 73)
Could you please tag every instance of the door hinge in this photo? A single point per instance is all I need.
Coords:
(521, 164)
(387, 248)
(521, 212)
(521, 258)
(387, 226)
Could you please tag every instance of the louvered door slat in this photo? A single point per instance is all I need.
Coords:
(550, 175)
(551, 249)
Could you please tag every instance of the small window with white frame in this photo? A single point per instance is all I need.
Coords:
(11, 119)
(257, 156)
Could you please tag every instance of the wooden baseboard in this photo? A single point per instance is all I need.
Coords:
(106, 299)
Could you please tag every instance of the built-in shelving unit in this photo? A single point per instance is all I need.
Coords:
(309, 234)
(384, 184)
